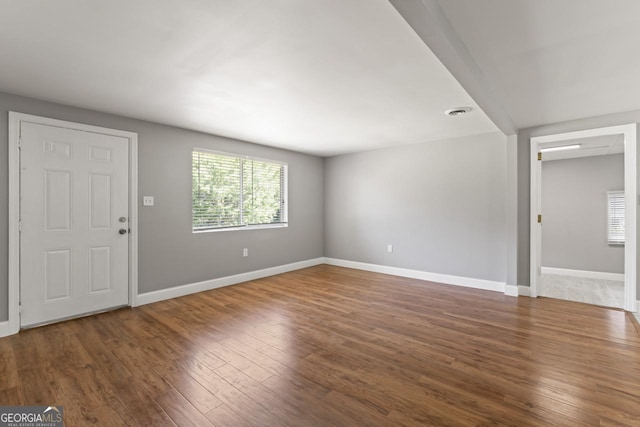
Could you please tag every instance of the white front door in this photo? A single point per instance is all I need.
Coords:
(74, 209)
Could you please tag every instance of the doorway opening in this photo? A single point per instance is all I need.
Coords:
(596, 265)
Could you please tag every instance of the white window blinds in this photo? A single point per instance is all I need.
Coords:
(230, 191)
(615, 226)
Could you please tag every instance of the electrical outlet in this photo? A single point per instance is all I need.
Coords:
(245, 252)
(389, 248)
(147, 201)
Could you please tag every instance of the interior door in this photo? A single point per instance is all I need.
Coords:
(74, 249)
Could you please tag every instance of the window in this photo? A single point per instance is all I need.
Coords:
(615, 227)
(230, 191)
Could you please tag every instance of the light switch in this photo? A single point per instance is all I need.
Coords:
(147, 201)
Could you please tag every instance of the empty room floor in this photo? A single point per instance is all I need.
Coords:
(608, 293)
(333, 346)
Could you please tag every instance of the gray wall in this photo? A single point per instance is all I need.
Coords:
(512, 210)
(524, 147)
(169, 254)
(574, 210)
(441, 205)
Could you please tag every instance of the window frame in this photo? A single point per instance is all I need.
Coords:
(284, 193)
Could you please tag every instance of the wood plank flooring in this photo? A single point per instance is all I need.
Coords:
(329, 346)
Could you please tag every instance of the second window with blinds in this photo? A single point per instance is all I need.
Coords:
(615, 217)
(237, 192)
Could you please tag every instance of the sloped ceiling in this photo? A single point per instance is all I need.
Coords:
(546, 61)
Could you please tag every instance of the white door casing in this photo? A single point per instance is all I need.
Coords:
(69, 186)
(536, 224)
(629, 132)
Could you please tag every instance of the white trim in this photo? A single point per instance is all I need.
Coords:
(524, 291)
(133, 219)
(535, 228)
(488, 285)
(631, 200)
(601, 275)
(511, 290)
(238, 156)
(14, 205)
(5, 329)
(14, 236)
(637, 308)
(630, 184)
(206, 285)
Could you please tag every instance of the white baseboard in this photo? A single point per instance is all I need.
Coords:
(4, 329)
(583, 273)
(468, 282)
(511, 290)
(192, 288)
(524, 291)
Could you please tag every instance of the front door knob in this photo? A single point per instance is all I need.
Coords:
(123, 231)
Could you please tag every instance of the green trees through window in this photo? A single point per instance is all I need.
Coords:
(233, 191)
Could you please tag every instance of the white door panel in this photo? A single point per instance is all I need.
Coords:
(74, 190)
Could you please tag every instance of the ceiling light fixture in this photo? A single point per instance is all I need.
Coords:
(457, 111)
(560, 148)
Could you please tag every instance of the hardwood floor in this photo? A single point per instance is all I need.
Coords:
(332, 346)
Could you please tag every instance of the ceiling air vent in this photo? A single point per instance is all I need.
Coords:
(457, 111)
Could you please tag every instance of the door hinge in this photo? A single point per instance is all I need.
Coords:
(539, 156)
(19, 225)
(539, 219)
(19, 143)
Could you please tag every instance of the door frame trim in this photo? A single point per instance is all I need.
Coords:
(630, 180)
(15, 120)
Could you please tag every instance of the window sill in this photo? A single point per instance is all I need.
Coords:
(243, 228)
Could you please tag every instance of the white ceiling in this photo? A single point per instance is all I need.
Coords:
(323, 77)
(332, 76)
(548, 61)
